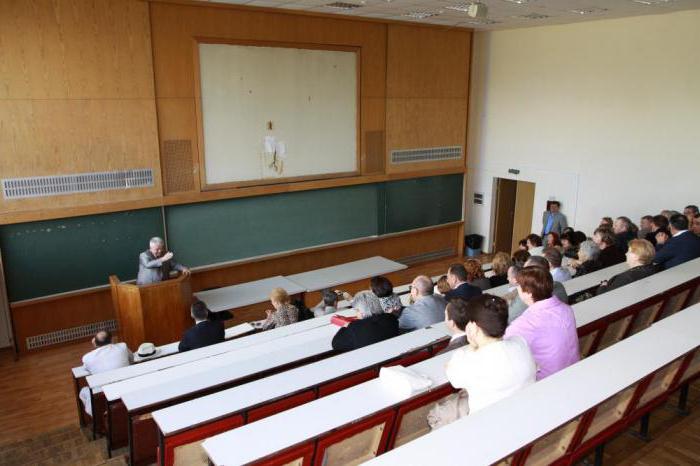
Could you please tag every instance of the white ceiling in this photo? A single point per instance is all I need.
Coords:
(502, 14)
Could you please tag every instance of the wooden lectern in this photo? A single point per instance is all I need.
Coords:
(158, 313)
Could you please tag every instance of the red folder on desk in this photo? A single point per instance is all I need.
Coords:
(342, 321)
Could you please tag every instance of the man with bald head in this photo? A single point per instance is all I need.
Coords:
(156, 264)
(427, 308)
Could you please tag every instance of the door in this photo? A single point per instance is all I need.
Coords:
(505, 211)
(522, 219)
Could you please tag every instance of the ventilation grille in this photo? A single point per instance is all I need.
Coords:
(426, 155)
(427, 256)
(70, 334)
(42, 186)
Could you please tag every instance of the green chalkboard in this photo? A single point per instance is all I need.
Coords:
(208, 233)
(423, 202)
(54, 256)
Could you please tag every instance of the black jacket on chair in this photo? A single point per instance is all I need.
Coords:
(464, 291)
(203, 334)
(611, 256)
(678, 249)
(366, 331)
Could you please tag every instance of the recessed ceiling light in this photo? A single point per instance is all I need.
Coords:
(589, 11)
(532, 16)
(519, 2)
(420, 14)
(343, 5)
(652, 2)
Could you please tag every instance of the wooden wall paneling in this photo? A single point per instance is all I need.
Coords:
(76, 95)
(427, 92)
(46, 316)
(176, 28)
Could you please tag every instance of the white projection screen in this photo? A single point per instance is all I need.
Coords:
(308, 96)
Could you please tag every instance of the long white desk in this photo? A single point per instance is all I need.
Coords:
(591, 310)
(214, 370)
(98, 380)
(211, 407)
(266, 436)
(245, 294)
(172, 348)
(503, 428)
(330, 277)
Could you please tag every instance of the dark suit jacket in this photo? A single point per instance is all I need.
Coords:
(588, 267)
(611, 256)
(464, 291)
(366, 331)
(627, 277)
(203, 334)
(621, 240)
(677, 250)
(498, 280)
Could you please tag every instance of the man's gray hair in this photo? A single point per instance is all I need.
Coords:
(367, 304)
(156, 240)
(423, 285)
(589, 249)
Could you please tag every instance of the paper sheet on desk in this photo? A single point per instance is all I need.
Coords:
(403, 381)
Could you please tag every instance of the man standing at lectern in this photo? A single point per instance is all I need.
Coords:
(155, 264)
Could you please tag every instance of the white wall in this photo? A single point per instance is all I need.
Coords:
(602, 115)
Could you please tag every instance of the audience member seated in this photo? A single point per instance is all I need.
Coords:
(384, 290)
(625, 231)
(640, 256)
(373, 324)
(517, 306)
(456, 319)
(459, 288)
(475, 274)
(105, 357)
(548, 325)
(328, 304)
(580, 236)
(534, 244)
(284, 312)
(695, 226)
(681, 247)
(156, 264)
(645, 226)
(606, 222)
(610, 254)
(499, 265)
(442, 286)
(659, 227)
(552, 241)
(205, 331)
(569, 245)
(690, 212)
(522, 245)
(427, 308)
(520, 257)
(588, 258)
(490, 368)
(554, 258)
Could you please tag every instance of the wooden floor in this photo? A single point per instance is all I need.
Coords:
(36, 396)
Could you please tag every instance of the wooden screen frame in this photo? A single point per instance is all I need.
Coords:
(199, 116)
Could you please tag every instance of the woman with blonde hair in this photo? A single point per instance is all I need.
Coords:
(284, 312)
(500, 264)
(475, 274)
(640, 257)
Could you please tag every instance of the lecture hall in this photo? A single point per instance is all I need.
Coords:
(332, 233)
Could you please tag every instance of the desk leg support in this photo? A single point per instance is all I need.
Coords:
(599, 450)
(682, 408)
(109, 430)
(643, 433)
